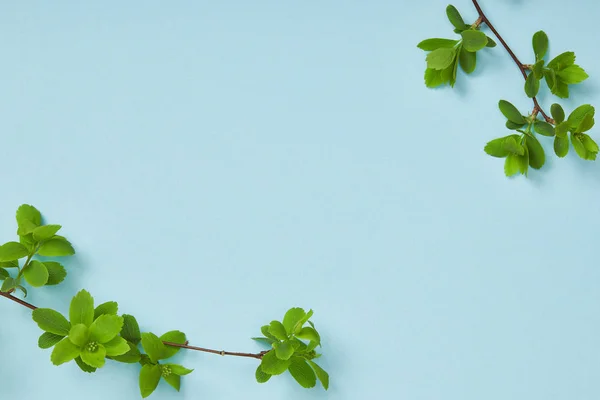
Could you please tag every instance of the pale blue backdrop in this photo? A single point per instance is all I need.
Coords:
(215, 163)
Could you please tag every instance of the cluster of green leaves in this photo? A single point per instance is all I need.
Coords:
(35, 239)
(293, 348)
(523, 150)
(93, 334)
(558, 74)
(447, 54)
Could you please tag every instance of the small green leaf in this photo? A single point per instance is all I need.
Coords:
(110, 307)
(490, 42)
(512, 126)
(551, 80)
(579, 147)
(561, 145)
(261, 376)
(562, 129)
(308, 333)
(573, 74)
(321, 374)
(277, 329)
(578, 115)
(149, 378)
(105, 328)
(153, 346)
(3, 274)
(558, 114)
(454, 17)
(440, 58)
(84, 367)
(9, 264)
(302, 372)
(264, 340)
(538, 70)
(131, 329)
(590, 145)
(36, 273)
(272, 365)
(283, 350)
(173, 380)
(179, 370)
(28, 218)
(473, 40)
(116, 347)
(12, 251)
(173, 337)
(56, 272)
(265, 331)
(51, 321)
(79, 334)
(131, 357)
(95, 358)
(562, 61)
(515, 164)
(81, 310)
(64, 351)
(532, 86)
(543, 128)
(496, 148)
(292, 319)
(45, 232)
(58, 246)
(511, 112)
(586, 124)
(512, 145)
(48, 340)
(8, 284)
(468, 60)
(436, 43)
(540, 44)
(537, 157)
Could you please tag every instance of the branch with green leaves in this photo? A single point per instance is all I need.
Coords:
(522, 149)
(94, 333)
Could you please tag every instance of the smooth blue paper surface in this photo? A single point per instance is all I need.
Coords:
(215, 163)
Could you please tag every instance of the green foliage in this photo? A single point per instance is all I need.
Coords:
(293, 346)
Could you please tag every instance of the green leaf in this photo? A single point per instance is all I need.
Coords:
(277, 329)
(36, 274)
(590, 145)
(153, 346)
(473, 40)
(179, 369)
(264, 340)
(515, 163)
(51, 321)
(81, 310)
(512, 145)
(540, 44)
(12, 251)
(440, 58)
(9, 264)
(173, 337)
(436, 43)
(543, 128)
(562, 61)
(105, 328)
(454, 17)
(562, 129)
(64, 351)
(95, 358)
(272, 365)
(586, 124)
(149, 378)
(56, 272)
(490, 42)
(173, 380)
(79, 335)
(321, 374)
(577, 116)
(283, 350)
(511, 125)
(110, 307)
(48, 340)
(116, 347)
(131, 357)
(551, 80)
(561, 145)
(261, 376)
(58, 246)
(538, 70)
(558, 114)
(8, 284)
(532, 86)
(308, 333)
(302, 372)
(84, 367)
(511, 112)
(28, 242)
(45, 232)
(292, 319)
(468, 60)
(131, 329)
(579, 147)
(537, 157)
(4, 274)
(28, 218)
(573, 75)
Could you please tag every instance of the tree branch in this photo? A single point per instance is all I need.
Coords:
(536, 106)
(182, 346)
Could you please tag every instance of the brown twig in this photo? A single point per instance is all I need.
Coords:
(536, 106)
(183, 346)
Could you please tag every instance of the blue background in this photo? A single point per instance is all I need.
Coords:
(215, 163)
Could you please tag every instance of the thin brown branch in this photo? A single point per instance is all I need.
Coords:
(536, 106)
(183, 346)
